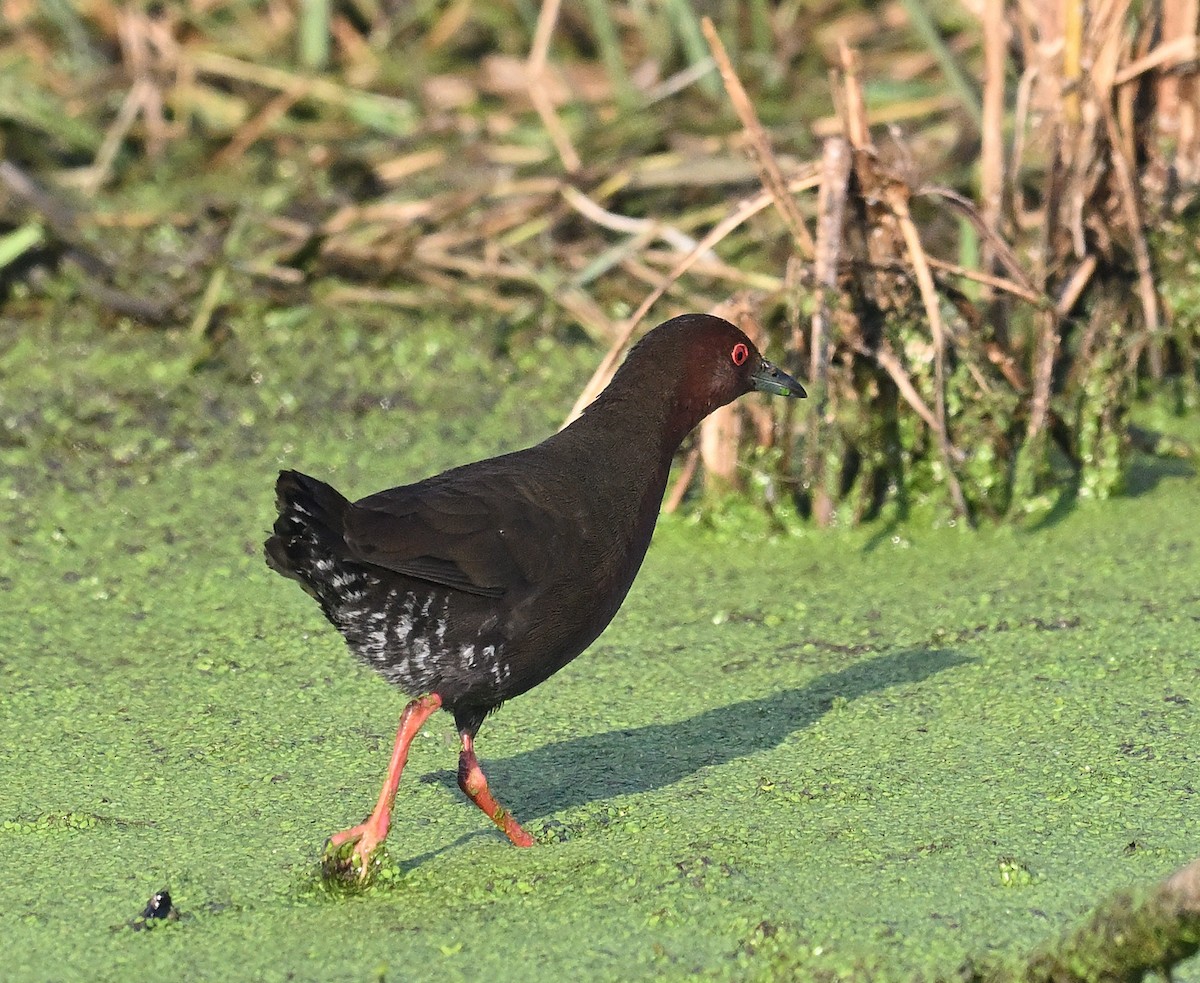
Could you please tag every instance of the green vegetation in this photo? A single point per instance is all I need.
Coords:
(871, 753)
(968, 227)
(379, 240)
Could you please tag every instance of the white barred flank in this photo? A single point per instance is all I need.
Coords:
(401, 635)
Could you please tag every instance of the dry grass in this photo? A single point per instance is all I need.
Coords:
(963, 269)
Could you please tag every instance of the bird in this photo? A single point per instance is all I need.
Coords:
(473, 586)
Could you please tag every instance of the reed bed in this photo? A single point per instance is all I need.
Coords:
(957, 228)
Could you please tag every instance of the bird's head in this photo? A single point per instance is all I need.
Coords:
(705, 362)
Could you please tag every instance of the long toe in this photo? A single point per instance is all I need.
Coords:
(351, 855)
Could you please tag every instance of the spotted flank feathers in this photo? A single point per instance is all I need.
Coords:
(411, 637)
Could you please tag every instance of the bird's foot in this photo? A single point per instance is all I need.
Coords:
(353, 855)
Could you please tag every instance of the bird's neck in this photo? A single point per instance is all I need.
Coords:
(628, 445)
(634, 434)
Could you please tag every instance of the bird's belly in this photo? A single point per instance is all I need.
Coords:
(555, 625)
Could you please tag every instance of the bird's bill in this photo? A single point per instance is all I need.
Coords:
(769, 379)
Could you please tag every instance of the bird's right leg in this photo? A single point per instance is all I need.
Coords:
(473, 782)
(366, 838)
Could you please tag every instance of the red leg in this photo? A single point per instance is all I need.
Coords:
(472, 781)
(370, 834)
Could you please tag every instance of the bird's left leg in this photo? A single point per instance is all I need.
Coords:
(351, 851)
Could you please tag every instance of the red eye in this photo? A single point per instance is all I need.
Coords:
(739, 354)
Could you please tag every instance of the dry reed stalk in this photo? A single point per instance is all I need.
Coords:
(214, 63)
(987, 279)
(686, 474)
(899, 112)
(576, 303)
(720, 433)
(647, 276)
(100, 171)
(619, 255)
(1076, 283)
(681, 80)
(483, 297)
(1177, 94)
(991, 169)
(759, 143)
(1048, 340)
(887, 359)
(149, 54)
(209, 300)
(410, 299)
(718, 270)
(398, 169)
(851, 106)
(450, 236)
(1107, 43)
(1016, 163)
(1002, 252)
(355, 51)
(831, 218)
(916, 254)
(539, 95)
(257, 126)
(1129, 203)
(673, 170)
(1168, 53)
(510, 187)
(477, 269)
(586, 312)
(396, 213)
(448, 24)
(623, 223)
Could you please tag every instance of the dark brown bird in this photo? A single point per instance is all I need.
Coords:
(475, 585)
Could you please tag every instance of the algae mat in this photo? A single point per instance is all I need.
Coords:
(906, 746)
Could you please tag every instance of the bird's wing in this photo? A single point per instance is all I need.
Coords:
(483, 530)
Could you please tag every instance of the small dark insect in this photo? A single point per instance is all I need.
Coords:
(159, 906)
(158, 909)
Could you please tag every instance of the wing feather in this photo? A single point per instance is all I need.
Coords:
(482, 530)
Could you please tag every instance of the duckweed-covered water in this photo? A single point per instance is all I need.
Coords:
(899, 746)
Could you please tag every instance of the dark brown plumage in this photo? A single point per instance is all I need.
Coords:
(475, 585)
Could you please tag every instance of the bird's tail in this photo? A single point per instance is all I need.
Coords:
(307, 540)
